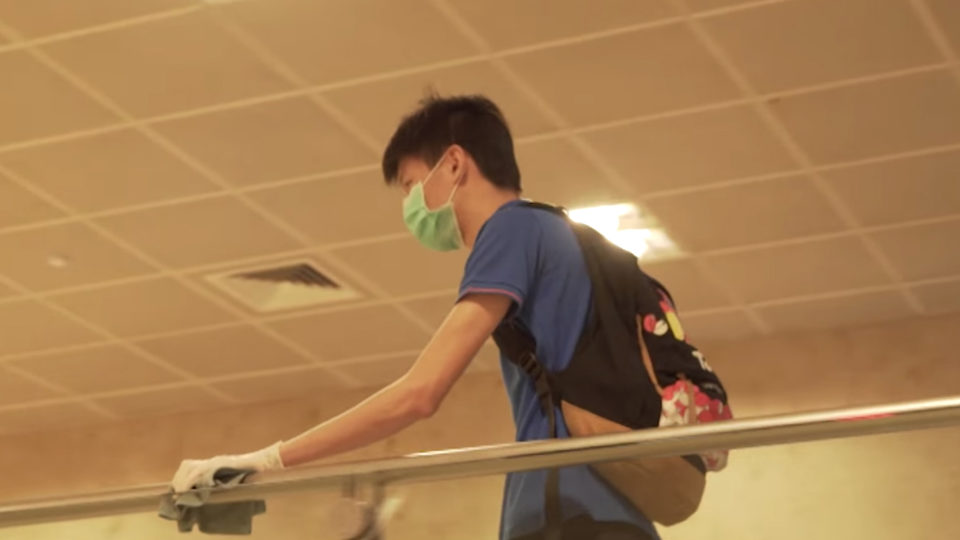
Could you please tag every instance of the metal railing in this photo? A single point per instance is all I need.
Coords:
(498, 459)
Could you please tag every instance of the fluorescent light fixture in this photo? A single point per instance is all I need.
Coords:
(624, 225)
(605, 219)
(632, 240)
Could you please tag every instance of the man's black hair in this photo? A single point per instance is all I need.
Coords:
(474, 122)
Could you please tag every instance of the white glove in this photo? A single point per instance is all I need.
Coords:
(199, 472)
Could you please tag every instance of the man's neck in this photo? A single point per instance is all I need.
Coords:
(472, 222)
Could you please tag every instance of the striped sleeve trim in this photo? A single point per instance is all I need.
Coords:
(490, 290)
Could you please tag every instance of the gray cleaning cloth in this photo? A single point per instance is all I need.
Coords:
(189, 509)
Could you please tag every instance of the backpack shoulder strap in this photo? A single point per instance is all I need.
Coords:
(544, 206)
(520, 347)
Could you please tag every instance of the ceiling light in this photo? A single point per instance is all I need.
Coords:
(58, 261)
(605, 219)
(632, 240)
(627, 227)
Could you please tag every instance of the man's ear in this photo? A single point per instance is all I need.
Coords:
(457, 156)
(458, 162)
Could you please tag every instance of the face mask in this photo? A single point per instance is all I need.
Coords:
(436, 229)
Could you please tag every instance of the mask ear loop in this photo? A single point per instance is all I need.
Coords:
(456, 221)
(429, 175)
(456, 187)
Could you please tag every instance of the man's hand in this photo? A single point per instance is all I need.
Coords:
(193, 472)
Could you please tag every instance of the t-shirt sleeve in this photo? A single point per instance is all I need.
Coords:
(504, 258)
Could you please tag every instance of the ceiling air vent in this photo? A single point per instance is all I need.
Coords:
(285, 286)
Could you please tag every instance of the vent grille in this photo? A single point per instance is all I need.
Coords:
(302, 274)
(277, 287)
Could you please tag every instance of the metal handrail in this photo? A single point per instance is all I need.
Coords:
(503, 458)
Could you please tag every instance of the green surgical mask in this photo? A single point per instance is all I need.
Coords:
(436, 229)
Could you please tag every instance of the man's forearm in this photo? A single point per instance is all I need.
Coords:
(414, 396)
(379, 416)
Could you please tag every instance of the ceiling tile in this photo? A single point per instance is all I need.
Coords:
(224, 351)
(900, 190)
(746, 213)
(923, 251)
(160, 402)
(893, 115)
(143, 307)
(62, 415)
(587, 83)
(837, 312)
(377, 373)
(511, 23)
(6, 291)
(379, 106)
(717, 326)
(202, 232)
(353, 333)
(167, 65)
(692, 149)
(378, 35)
(268, 141)
(281, 386)
(704, 5)
(89, 257)
(947, 13)
(556, 171)
(789, 44)
(41, 17)
(939, 297)
(434, 309)
(106, 171)
(327, 209)
(29, 326)
(798, 269)
(18, 389)
(100, 369)
(405, 267)
(19, 206)
(689, 287)
(36, 102)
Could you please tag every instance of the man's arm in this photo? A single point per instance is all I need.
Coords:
(414, 396)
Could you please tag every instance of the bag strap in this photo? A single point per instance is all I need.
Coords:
(645, 354)
(520, 348)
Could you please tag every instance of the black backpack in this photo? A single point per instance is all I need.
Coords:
(607, 375)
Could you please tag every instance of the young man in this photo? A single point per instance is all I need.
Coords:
(454, 160)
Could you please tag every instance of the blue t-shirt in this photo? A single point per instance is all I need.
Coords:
(533, 257)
